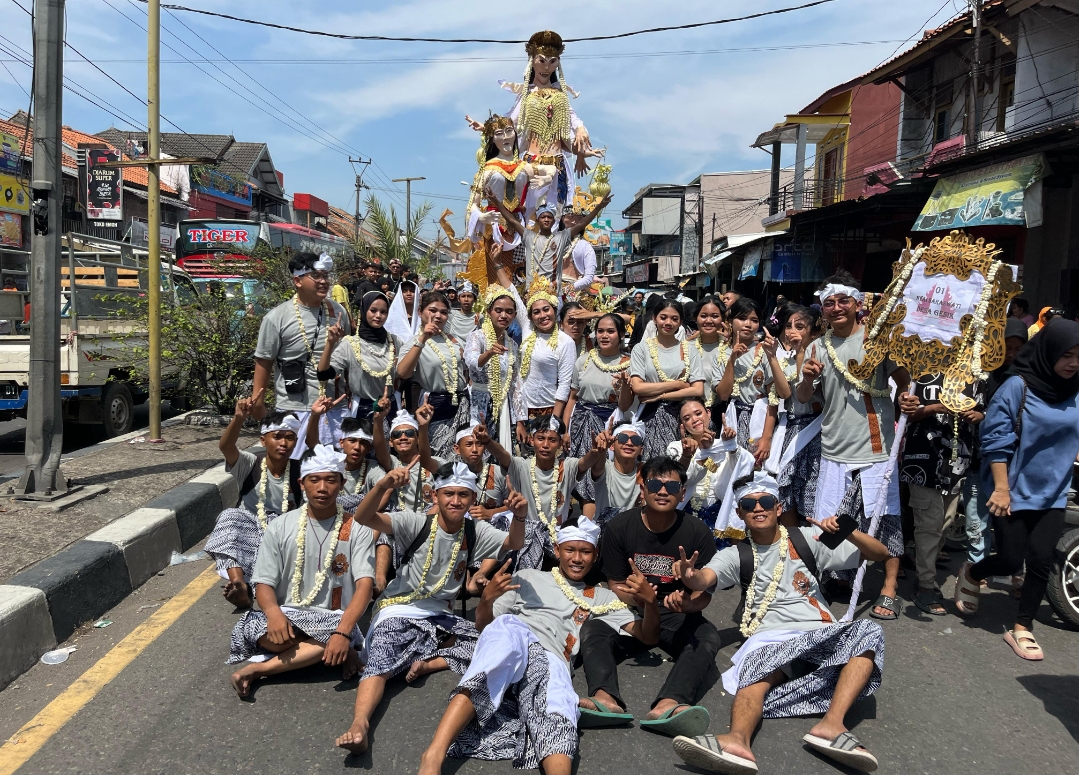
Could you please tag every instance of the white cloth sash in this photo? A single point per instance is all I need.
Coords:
(757, 640)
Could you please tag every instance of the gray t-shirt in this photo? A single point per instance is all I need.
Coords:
(360, 481)
(521, 480)
(429, 370)
(553, 618)
(276, 488)
(540, 252)
(798, 604)
(789, 362)
(354, 559)
(406, 526)
(616, 489)
(281, 340)
(755, 386)
(670, 360)
(713, 357)
(856, 427)
(593, 385)
(461, 325)
(417, 495)
(376, 356)
(492, 482)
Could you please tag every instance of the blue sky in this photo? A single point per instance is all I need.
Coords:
(664, 114)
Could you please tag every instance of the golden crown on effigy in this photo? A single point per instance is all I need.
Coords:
(541, 289)
(545, 42)
(493, 123)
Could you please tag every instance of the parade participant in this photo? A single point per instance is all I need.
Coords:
(547, 484)
(494, 368)
(451, 297)
(293, 337)
(710, 469)
(577, 260)
(1029, 440)
(368, 359)
(728, 298)
(798, 326)
(613, 479)
(463, 321)
(434, 360)
(936, 455)
(397, 270)
(312, 583)
(517, 699)
(372, 274)
(574, 326)
(714, 351)
(857, 429)
(547, 357)
(264, 494)
(599, 386)
(470, 447)
(748, 374)
(356, 442)
(789, 630)
(650, 538)
(413, 627)
(662, 373)
(403, 323)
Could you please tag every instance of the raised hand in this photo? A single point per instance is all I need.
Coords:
(480, 432)
(685, 567)
(740, 349)
(518, 504)
(383, 408)
(828, 524)
(473, 123)
(424, 413)
(245, 406)
(637, 585)
(398, 477)
(334, 334)
(771, 344)
(429, 330)
(494, 351)
(707, 438)
(689, 444)
(812, 369)
(325, 404)
(499, 585)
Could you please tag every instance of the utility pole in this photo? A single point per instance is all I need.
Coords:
(408, 199)
(153, 209)
(41, 479)
(974, 108)
(359, 186)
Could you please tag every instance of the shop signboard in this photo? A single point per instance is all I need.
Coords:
(10, 159)
(795, 261)
(751, 262)
(13, 195)
(207, 180)
(104, 186)
(10, 230)
(621, 243)
(1005, 194)
(637, 273)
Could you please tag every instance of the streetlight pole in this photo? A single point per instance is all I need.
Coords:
(153, 210)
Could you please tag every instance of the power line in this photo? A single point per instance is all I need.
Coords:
(618, 36)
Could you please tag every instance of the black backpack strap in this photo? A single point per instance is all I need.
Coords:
(417, 542)
(745, 564)
(470, 541)
(254, 475)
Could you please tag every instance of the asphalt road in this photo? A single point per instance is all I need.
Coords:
(954, 700)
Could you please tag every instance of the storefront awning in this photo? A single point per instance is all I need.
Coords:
(1005, 194)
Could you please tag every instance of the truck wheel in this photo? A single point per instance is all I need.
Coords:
(117, 409)
(1063, 590)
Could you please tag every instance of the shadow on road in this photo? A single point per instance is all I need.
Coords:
(1060, 696)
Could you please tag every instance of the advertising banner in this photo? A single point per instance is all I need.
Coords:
(10, 230)
(936, 303)
(104, 186)
(638, 273)
(1006, 194)
(13, 195)
(10, 162)
(621, 244)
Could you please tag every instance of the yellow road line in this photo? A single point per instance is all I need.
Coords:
(35, 733)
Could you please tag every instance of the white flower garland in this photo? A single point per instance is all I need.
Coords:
(613, 368)
(552, 520)
(653, 350)
(449, 370)
(529, 345)
(303, 335)
(497, 390)
(389, 352)
(751, 621)
(580, 602)
(758, 356)
(721, 355)
(324, 568)
(417, 594)
(853, 381)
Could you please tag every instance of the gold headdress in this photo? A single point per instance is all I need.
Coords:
(545, 42)
(493, 123)
(495, 291)
(593, 299)
(541, 289)
(583, 202)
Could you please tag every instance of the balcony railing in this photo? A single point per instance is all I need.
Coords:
(815, 193)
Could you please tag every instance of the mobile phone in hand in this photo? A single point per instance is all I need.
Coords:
(847, 525)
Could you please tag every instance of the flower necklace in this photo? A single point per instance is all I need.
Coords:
(580, 602)
(532, 256)
(362, 474)
(751, 621)
(303, 334)
(700, 493)
(853, 381)
(613, 368)
(552, 520)
(653, 350)
(494, 369)
(790, 374)
(324, 569)
(721, 356)
(418, 594)
(389, 352)
(530, 345)
(260, 508)
(448, 369)
(758, 356)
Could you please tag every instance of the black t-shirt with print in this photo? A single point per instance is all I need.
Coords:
(625, 537)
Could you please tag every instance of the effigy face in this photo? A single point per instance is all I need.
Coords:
(544, 65)
(505, 139)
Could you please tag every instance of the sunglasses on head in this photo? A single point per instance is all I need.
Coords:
(655, 485)
(408, 433)
(626, 438)
(767, 502)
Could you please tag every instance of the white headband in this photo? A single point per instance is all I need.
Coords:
(289, 422)
(467, 288)
(465, 432)
(462, 476)
(359, 434)
(324, 460)
(323, 264)
(585, 530)
(553, 424)
(636, 426)
(835, 289)
(762, 482)
(404, 418)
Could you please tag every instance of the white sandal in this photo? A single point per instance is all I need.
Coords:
(966, 592)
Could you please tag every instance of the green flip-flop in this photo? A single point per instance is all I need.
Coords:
(692, 721)
(604, 717)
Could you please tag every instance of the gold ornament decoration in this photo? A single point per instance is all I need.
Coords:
(601, 181)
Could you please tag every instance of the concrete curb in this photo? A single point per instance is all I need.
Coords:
(44, 605)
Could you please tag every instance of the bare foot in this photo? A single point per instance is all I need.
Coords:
(355, 739)
(353, 664)
(663, 707)
(242, 680)
(421, 668)
(237, 593)
(735, 746)
(430, 763)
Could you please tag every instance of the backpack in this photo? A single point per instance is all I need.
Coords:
(291, 493)
(421, 538)
(745, 566)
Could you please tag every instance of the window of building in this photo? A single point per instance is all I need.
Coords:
(940, 126)
(1005, 101)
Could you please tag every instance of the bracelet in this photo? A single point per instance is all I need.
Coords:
(520, 519)
(342, 634)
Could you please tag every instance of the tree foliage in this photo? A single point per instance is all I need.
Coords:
(391, 241)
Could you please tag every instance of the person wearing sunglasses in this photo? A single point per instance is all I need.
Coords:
(857, 430)
(614, 480)
(789, 630)
(648, 538)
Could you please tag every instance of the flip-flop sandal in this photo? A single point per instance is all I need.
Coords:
(693, 721)
(885, 601)
(1024, 645)
(604, 717)
(926, 599)
(705, 752)
(844, 749)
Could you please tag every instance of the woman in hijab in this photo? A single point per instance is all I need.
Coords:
(368, 360)
(1030, 438)
(1047, 314)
